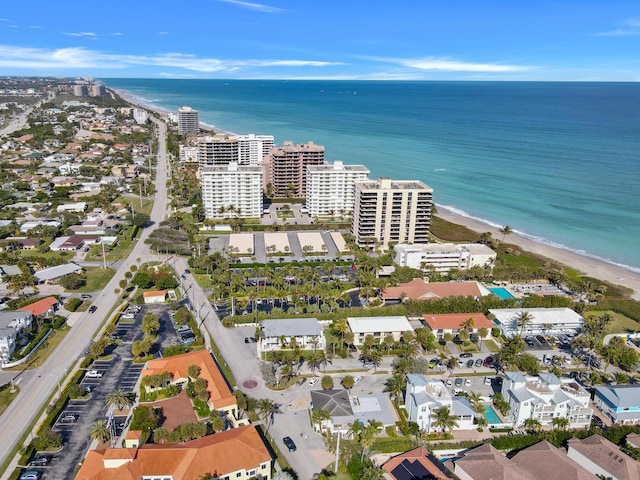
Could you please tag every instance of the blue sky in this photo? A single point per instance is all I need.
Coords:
(584, 40)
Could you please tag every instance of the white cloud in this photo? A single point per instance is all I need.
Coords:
(631, 27)
(451, 65)
(117, 34)
(81, 34)
(35, 26)
(255, 6)
(82, 58)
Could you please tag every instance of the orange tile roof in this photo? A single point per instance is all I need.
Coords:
(155, 293)
(40, 307)
(420, 455)
(454, 321)
(220, 395)
(226, 452)
(419, 289)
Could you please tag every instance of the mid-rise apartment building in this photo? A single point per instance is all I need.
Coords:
(188, 154)
(331, 188)
(188, 120)
(391, 211)
(235, 186)
(253, 148)
(217, 150)
(285, 168)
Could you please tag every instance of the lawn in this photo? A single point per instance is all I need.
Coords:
(147, 204)
(491, 346)
(7, 395)
(621, 323)
(97, 279)
(42, 354)
(285, 214)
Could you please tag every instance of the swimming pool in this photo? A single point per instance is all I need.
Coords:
(491, 415)
(501, 292)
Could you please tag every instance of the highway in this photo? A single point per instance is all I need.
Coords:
(36, 387)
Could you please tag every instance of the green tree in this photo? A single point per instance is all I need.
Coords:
(150, 324)
(326, 382)
(118, 399)
(318, 416)
(523, 320)
(532, 425)
(560, 423)
(348, 382)
(506, 230)
(160, 435)
(100, 432)
(443, 419)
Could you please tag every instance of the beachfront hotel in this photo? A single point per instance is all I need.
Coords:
(188, 120)
(391, 211)
(233, 185)
(443, 257)
(331, 188)
(285, 168)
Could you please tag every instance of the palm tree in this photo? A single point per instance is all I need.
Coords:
(267, 409)
(506, 230)
(468, 324)
(348, 382)
(395, 386)
(99, 431)
(118, 398)
(193, 371)
(523, 320)
(561, 423)
(319, 416)
(444, 419)
(482, 422)
(475, 399)
(532, 425)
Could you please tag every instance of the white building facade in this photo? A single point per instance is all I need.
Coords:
(544, 321)
(234, 186)
(188, 120)
(11, 325)
(331, 188)
(253, 148)
(444, 257)
(390, 211)
(544, 398)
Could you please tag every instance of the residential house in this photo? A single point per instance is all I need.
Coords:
(23, 243)
(424, 396)
(544, 398)
(237, 454)
(8, 271)
(418, 463)
(221, 396)
(77, 207)
(603, 458)
(157, 296)
(51, 274)
(444, 257)
(453, 323)
(420, 289)
(11, 325)
(305, 333)
(543, 321)
(44, 306)
(541, 461)
(337, 403)
(621, 403)
(67, 243)
(378, 327)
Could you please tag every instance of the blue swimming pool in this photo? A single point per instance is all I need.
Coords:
(501, 292)
(491, 415)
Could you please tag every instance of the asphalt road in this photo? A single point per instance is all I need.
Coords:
(35, 391)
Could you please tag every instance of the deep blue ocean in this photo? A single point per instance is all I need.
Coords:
(558, 162)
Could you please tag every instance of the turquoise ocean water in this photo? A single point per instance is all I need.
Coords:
(558, 162)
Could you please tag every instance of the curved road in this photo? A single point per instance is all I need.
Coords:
(35, 391)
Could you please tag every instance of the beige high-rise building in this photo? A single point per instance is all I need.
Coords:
(285, 168)
(217, 150)
(391, 211)
(188, 120)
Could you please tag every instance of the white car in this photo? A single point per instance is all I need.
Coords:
(313, 381)
(356, 380)
(467, 382)
(94, 374)
(449, 382)
(487, 380)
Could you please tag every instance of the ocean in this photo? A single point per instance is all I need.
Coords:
(557, 162)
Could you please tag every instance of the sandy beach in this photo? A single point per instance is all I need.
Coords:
(589, 266)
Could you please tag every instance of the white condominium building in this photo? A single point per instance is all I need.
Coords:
(544, 398)
(443, 257)
(140, 116)
(235, 186)
(391, 211)
(331, 188)
(217, 150)
(188, 120)
(253, 148)
(188, 154)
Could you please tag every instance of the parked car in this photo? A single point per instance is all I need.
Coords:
(458, 382)
(467, 382)
(470, 363)
(449, 382)
(93, 374)
(85, 296)
(433, 362)
(92, 308)
(487, 380)
(183, 328)
(290, 444)
(313, 381)
(68, 418)
(487, 362)
(249, 340)
(30, 476)
(466, 355)
(356, 380)
(478, 362)
(40, 461)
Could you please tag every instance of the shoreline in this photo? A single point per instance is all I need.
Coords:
(593, 267)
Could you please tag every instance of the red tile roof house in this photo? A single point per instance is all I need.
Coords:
(155, 296)
(238, 454)
(453, 322)
(41, 307)
(420, 289)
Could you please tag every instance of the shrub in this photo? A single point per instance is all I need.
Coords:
(73, 304)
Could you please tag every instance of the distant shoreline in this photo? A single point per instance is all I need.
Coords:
(590, 266)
